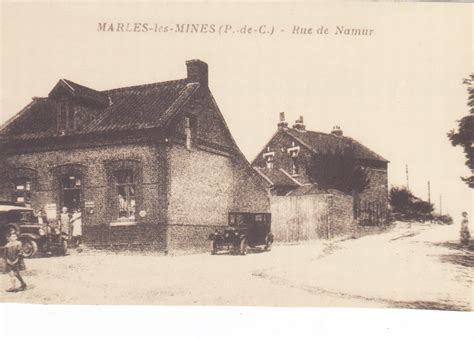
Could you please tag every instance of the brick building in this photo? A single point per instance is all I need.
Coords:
(286, 162)
(153, 164)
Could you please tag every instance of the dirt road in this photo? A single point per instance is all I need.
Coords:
(416, 267)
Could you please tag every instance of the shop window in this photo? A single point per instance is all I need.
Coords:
(22, 191)
(125, 194)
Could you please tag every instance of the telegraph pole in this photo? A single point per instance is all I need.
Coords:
(429, 192)
(406, 170)
(440, 204)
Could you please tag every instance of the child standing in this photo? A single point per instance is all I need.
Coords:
(14, 262)
(65, 222)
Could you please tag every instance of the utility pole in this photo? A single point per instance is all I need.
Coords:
(429, 192)
(406, 170)
(440, 204)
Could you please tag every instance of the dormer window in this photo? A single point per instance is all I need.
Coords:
(269, 158)
(294, 153)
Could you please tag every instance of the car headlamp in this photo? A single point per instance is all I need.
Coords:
(41, 231)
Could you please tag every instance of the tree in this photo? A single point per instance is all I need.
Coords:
(408, 206)
(338, 170)
(464, 135)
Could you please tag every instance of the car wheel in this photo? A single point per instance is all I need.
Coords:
(29, 247)
(213, 247)
(268, 245)
(243, 247)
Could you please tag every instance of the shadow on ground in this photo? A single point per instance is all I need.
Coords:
(463, 256)
(430, 305)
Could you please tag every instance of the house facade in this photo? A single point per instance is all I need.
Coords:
(304, 168)
(151, 165)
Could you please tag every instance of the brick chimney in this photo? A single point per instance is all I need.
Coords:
(282, 125)
(337, 131)
(299, 124)
(197, 71)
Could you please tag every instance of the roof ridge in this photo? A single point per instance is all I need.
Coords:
(137, 87)
(323, 133)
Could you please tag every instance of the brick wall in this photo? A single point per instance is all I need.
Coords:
(373, 202)
(95, 186)
(200, 194)
(250, 193)
(341, 219)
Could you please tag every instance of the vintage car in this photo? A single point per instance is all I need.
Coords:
(33, 236)
(244, 230)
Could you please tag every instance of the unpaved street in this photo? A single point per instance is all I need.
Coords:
(416, 267)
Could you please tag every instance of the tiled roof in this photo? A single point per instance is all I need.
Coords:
(142, 106)
(80, 91)
(128, 108)
(275, 177)
(322, 143)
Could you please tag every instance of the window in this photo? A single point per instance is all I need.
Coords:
(71, 192)
(22, 191)
(269, 158)
(295, 168)
(294, 152)
(190, 131)
(125, 194)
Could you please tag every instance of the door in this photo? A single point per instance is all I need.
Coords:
(71, 192)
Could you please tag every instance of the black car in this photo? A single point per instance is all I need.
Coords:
(33, 236)
(244, 230)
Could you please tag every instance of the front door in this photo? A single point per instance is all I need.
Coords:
(71, 192)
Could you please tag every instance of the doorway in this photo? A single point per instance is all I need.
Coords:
(71, 192)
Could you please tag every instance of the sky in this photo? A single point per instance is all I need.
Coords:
(398, 91)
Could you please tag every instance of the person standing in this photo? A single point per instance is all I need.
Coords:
(65, 222)
(465, 234)
(76, 222)
(14, 262)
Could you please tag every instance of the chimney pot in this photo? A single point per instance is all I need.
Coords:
(299, 124)
(337, 131)
(197, 71)
(282, 125)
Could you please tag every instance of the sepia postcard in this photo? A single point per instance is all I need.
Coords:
(237, 154)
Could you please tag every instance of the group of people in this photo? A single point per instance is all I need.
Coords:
(72, 225)
(13, 252)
